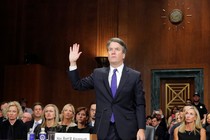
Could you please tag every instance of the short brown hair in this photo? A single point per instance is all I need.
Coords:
(118, 40)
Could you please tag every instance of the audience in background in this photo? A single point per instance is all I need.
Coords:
(159, 114)
(183, 125)
(13, 128)
(37, 116)
(92, 112)
(67, 117)
(50, 120)
(179, 121)
(159, 130)
(172, 118)
(188, 102)
(190, 128)
(149, 120)
(82, 116)
(206, 125)
(200, 106)
(23, 103)
(26, 117)
(2, 111)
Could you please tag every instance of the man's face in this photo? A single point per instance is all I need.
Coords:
(154, 122)
(26, 117)
(92, 111)
(196, 98)
(37, 111)
(115, 54)
(3, 106)
(23, 104)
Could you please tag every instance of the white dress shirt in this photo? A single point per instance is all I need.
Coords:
(118, 73)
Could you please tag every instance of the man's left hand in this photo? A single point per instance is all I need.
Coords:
(141, 134)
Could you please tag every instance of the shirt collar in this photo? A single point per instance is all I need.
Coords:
(39, 122)
(119, 69)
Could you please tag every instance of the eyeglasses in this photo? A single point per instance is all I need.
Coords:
(93, 110)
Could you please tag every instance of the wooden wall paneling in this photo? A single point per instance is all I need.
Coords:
(165, 48)
(107, 24)
(48, 28)
(27, 81)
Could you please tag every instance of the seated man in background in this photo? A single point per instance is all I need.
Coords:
(26, 117)
(92, 112)
(37, 116)
(159, 130)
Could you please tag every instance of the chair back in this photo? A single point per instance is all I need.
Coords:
(150, 132)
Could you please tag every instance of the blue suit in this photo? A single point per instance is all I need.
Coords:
(128, 105)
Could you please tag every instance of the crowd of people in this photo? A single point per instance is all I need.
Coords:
(182, 124)
(16, 122)
(189, 122)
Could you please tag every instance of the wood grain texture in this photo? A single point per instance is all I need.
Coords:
(48, 28)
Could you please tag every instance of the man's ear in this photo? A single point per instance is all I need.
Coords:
(123, 56)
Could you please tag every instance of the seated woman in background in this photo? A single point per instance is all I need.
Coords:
(82, 115)
(172, 117)
(13, 127)
(190, 128)
(50, 120)
(206, 125)
(67, 117)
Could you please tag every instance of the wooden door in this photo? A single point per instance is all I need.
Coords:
(174, 92)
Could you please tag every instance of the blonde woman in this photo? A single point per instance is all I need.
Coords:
(13, 127)
(50, 119)
(190, 128)
(67, 117)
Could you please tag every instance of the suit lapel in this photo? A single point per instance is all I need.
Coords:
(106, 82)
(122, 80)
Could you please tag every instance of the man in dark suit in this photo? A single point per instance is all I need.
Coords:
(159, 130)
(120, 112)
(37, 116)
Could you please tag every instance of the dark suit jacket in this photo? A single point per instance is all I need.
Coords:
(29, 124)
(128, 105)
(160, 133)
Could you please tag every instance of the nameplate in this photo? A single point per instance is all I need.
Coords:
(72, 136)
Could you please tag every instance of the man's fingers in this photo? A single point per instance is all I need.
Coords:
(76, 47)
